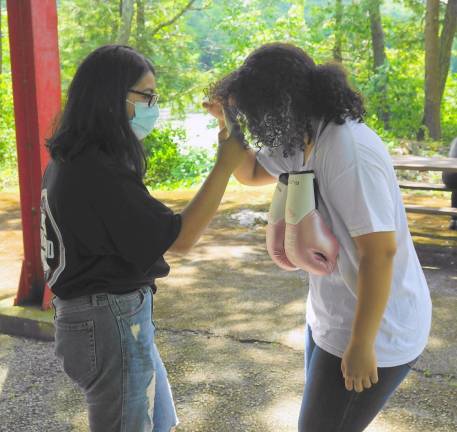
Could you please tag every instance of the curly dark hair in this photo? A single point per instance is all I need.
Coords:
(280, 93)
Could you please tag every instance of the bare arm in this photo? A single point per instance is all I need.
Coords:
(374, 280)
(376, 251)
(198, 213)
(231, 156)
(251, 173)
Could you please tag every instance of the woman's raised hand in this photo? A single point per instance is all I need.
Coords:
(232, 150)
(214, 107)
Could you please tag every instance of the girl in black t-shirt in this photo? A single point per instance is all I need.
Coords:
(103, 238)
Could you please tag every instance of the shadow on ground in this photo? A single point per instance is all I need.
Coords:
(230, 331)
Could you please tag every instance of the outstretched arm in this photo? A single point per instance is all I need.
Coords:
(198, 213)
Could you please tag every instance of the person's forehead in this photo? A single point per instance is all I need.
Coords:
(148, 81)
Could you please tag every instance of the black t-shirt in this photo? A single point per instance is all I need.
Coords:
(101, 230)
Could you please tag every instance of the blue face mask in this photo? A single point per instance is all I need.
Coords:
(144, 119)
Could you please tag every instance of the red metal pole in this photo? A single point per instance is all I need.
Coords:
(36, 91)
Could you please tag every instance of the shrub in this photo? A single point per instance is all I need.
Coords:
(7, 129)
(170, 163)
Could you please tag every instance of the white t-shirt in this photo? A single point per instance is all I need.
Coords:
(359, 194)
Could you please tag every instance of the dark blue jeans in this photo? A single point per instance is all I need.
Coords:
(328, 407)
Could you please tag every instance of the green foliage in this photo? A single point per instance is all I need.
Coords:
(214, 36)
(86, 24)
(7, 130)
(83, 26)
(170, 164)
(449, 110)
(247, 25)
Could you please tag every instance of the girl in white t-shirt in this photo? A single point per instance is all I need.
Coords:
(369, 320)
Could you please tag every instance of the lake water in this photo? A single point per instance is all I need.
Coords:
(200, 128)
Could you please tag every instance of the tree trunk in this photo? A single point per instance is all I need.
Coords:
(140, 22)
(377, 33)
(379, 57)
(337, 49)
(432, 117)
(446, 40)
(127, 7)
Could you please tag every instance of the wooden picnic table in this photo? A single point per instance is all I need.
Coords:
(419, 163)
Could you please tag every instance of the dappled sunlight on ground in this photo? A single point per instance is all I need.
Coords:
(202, 376)
(430, 224)
(3, 375)
(294, 338)
(230, 329)
(235, 381)
(435, 343)
(283, 412)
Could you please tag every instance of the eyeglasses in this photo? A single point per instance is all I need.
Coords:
(152, 97)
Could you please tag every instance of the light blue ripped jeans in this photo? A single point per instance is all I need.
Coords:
(106, 345)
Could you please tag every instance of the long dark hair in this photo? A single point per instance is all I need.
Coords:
(95, 114)
(280, 92)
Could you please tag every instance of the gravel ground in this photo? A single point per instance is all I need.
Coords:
(234, 350)
(35, 393)
(218, 383)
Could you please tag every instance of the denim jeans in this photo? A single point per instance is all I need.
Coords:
(327, 406)
(106, 345)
